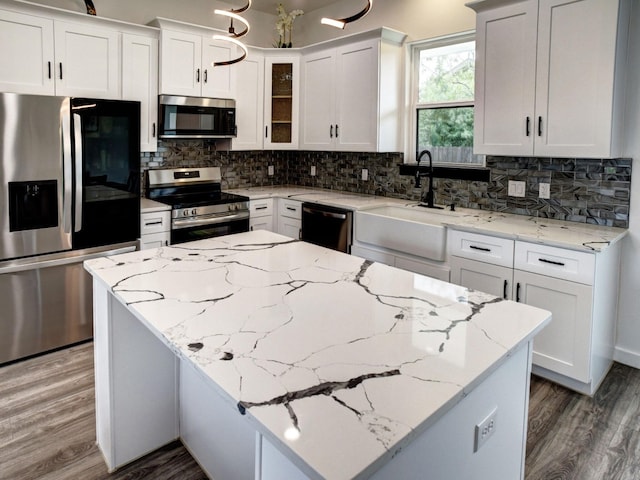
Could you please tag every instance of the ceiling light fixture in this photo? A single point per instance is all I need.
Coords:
(341, 22)
(233, 36)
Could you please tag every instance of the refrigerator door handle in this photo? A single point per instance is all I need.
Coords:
(77, 134)
(65, 258)
(67, 163)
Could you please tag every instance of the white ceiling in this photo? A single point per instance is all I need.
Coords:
(269, 6)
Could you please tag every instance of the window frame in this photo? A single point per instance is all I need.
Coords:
(414, 50)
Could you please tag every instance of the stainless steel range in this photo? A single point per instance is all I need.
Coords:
(199, 207)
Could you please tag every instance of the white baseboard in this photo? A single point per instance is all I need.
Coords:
(627, 357)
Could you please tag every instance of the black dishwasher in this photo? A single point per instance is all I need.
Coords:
(327, 226)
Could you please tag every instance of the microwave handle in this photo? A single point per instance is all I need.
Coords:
(77, 133)
(67, 166)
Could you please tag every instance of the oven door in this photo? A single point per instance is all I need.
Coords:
(188, 230)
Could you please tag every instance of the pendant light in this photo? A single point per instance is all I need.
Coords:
(341, 22)
(233, 36)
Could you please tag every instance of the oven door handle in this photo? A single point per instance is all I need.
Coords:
(208, 220)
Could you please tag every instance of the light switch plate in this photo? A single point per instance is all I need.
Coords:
(516, 189)
(365, 174)
(544, 190)
(270, 170)
(313, 170)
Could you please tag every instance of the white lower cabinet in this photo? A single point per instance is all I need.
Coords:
(290, 218)
(261, 214)
(155, 229)
(578, 288)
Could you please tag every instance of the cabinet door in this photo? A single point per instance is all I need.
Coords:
(87, 61)
(248, 83)
(155, 240)
(505, 79)
(563, 346)
(180, 58)
(356, 121)
(261, 223)
(140, 83)
(483, 277)
(216, 81)
(291, 227)
(575, 77)
(281, 102)
(26, 54)
(318, 101)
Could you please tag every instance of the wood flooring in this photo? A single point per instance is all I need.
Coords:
(47, 427)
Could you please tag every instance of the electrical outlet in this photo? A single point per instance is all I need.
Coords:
(365, 174)
(544, 190)
(516, 189)
(313, 170)
(270, 170)
(484, 430)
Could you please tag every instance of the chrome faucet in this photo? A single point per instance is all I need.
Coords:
(427, 199)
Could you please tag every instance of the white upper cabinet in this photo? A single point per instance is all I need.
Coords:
(26, 54)
(140, 83)
(549, 79)
(85, 61)
(187, 54)
(248, 82)
(351, 95)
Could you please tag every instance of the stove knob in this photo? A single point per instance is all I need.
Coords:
(185, 213)
(194, 212)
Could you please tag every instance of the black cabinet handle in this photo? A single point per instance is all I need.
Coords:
(49, 69)
(331, 132)
(153, 130)
(293, 209)
(60, 70)
(266, 132)
(198, 76)
(518, 292)
(482, 249)
(528, 129)
(539, 126)
(205, 76)
(551, 262)
(262, 208)
(336, 131)
(504, 290)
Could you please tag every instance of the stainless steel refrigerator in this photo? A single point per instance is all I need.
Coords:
(69, 191)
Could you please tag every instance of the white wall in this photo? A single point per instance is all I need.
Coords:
(420, 19)
(628, 343)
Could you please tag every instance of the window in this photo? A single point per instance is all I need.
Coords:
(443, 89)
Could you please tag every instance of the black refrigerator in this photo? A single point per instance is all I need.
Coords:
(70, 191)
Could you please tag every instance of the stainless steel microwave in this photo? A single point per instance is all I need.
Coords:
(196, 117)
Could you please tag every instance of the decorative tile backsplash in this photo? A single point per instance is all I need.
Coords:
(593, 191)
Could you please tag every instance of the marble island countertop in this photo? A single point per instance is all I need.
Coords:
(340, 361)
(572, 235)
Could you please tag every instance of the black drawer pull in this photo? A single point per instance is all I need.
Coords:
(504, 290)
(482, 249)
(539, 126)
(551, 262)
(528, 129)
(293, 209)
(147, 224)
(518, 292)
(262, 208)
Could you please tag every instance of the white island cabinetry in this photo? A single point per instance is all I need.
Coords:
(221, 388)
(578, 287)
(546, 84)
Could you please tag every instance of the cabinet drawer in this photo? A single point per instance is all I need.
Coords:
(555, 262)
(155, 222)
(484, 248)
(290, 208)
(261, 208)
(155, 240)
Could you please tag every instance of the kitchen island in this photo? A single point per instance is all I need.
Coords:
(272, 358)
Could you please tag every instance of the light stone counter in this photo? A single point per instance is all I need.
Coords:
(339, 362)
(572, 235)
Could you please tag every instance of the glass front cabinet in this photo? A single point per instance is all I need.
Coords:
(282, 84)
